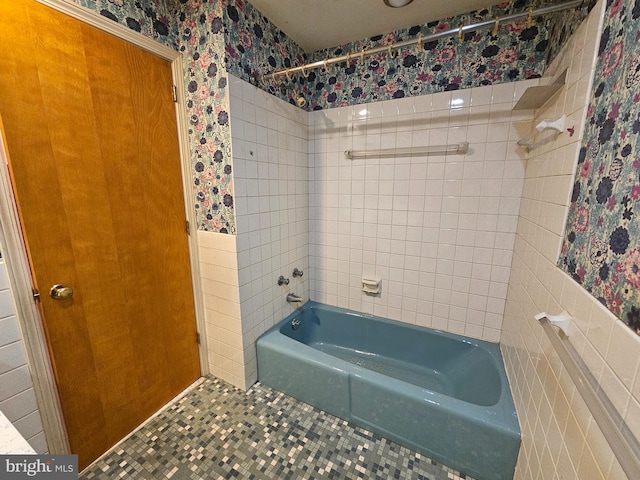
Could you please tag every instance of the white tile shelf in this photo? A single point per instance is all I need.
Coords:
(537, 96)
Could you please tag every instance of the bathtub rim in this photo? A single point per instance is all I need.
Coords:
(503, 410)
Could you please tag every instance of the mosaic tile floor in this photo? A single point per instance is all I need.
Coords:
(217, 431)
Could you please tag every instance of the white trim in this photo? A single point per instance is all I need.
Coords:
(100, 22)
(17, 262)
(189, 201)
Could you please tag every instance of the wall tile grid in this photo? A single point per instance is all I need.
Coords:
(219, 277)
(560, 438)
(17, 398)
(438, 230)
(243, 299)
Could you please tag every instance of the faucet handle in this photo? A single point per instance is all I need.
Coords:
(282, 280)
(297, 273)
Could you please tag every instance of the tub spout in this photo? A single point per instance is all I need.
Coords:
(293, 298)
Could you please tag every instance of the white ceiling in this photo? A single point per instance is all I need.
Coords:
(318, 24)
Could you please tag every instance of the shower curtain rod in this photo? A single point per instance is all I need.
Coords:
(459, 31)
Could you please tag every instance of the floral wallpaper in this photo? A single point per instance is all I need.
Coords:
(518, 52)
(156, 19)
(197, 29)
(601, 248)
(254, 46)
(202, 28)
(216, 36)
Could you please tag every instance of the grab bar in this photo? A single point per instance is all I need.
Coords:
(452, 149)
(623, 443)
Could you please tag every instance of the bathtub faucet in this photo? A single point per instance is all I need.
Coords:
(293, 298)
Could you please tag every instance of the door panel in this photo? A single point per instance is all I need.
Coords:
(91, 130)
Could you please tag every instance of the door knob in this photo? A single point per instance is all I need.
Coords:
(61, 292)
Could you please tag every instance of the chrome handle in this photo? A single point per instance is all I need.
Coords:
(61, 292)
(297, 273)
(283, 281)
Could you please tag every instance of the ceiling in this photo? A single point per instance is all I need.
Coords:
(318, 24)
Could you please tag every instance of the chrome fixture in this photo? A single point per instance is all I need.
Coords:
(282, 280)
(295, 323)
(452, 149)
(297, 273)
(397, 3)
(300, 100)
(293, 298)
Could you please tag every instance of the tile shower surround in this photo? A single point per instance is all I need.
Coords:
(240, 272)
(438, 230)
(560, 439)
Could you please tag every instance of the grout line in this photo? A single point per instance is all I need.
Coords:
(162, 409)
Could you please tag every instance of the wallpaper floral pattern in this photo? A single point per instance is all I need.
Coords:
(601, 248)
(197, 29)
(202, 28)
(255, 46)
(517, 52)
(156, 19)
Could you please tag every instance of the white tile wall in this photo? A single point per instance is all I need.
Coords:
(17, 398)
(438, 230)
(240, 273)
(271, 177)
(219, 277)
(560, 438)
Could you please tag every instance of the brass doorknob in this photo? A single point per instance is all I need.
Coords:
(61, 292)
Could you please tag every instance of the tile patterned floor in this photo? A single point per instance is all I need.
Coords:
(217, 431)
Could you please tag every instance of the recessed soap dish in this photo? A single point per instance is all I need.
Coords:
(371, 286)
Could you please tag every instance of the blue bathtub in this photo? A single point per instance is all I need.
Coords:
(440, 394)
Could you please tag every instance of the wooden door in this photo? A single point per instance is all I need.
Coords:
(91, 131)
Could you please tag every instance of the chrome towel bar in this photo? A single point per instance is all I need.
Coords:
(452, 149)
(622, 441)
